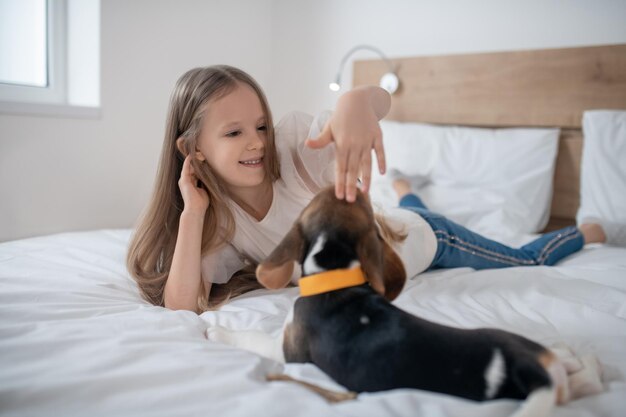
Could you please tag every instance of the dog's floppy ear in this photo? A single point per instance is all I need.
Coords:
(275, 271)
(370, 254)
(382, 266)
(394, 273)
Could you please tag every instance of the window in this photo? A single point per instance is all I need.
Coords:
(24, 62)
(50, 57)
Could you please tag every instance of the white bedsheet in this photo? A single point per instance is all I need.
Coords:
(76, 338)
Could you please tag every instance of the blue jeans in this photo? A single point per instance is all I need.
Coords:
(459, 247)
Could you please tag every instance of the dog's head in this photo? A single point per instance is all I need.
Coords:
(333, 234)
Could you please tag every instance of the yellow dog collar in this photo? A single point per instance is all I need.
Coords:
(331, 280)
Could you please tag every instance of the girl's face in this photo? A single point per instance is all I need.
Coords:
(233, 138)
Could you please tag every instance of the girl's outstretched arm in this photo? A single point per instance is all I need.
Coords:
(355, 130)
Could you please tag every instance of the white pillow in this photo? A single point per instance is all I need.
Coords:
(494, 181)
(603, 167)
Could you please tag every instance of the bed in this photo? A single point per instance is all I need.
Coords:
(77, 339)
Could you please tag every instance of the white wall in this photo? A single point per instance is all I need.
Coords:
(310, 37)
(59, 174)
(63, 174)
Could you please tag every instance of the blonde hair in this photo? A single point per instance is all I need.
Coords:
(152, 245)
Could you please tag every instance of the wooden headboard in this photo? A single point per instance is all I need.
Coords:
(539, 88)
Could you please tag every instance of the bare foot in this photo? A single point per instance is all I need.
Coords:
(401, 186)
(593, 233)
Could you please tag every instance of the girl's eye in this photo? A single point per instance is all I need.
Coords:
(233, 134)
(263, 128)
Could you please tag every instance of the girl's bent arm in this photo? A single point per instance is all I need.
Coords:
(183, 283)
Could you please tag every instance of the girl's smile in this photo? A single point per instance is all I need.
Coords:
(253, 163)
(233, 139)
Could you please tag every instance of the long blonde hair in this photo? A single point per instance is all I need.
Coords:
(152, 245)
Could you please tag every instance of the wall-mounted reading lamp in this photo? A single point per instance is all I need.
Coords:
(389, 81)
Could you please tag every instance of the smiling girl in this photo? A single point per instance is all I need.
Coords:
(225, 194)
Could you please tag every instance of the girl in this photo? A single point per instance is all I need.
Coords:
(229, 186)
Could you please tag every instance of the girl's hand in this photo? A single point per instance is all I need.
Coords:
(355, 130)
(196, 198)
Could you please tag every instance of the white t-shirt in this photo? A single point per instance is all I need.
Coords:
(303, 172)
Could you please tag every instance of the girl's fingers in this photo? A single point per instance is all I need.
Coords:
(353, 157)
(380, 154)
(322, 140)
(183, 172)
(348, 166)
(351, 176)
(188, 174)
(340, 173)
(193, 177)
(366, 171)
(191, 170)
(195, 197)
(188, 171)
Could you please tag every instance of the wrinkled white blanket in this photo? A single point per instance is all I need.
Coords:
(76, 338)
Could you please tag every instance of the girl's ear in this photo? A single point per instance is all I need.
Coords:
(180, 144)
(275, 271)
(382, 266)
(200, 156)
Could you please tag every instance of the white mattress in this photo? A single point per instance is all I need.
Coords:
(77, 339)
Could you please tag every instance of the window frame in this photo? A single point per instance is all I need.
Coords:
(56, 39)
(51, 100)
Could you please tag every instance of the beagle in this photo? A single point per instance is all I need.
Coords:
(344, 323)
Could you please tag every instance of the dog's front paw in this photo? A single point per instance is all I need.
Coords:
(251, 340)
